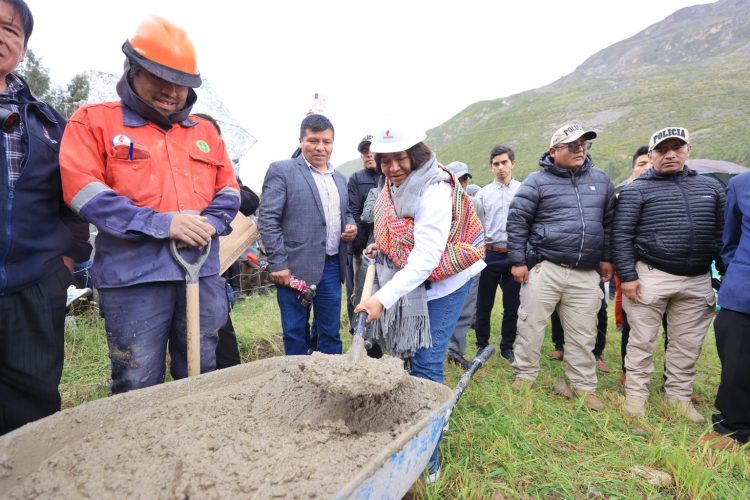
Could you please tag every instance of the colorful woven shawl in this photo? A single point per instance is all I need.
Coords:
(395, 235)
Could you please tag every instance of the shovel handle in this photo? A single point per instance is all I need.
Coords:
(193, 310)
(191, 270)
(366, 293)
(193, 314)
(369, 281)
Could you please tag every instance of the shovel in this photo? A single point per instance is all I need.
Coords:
(354, 374)
(192, 299)
(357, 351)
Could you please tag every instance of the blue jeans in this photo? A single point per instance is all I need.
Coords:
(82, 273)
(142, 320)
(429, 363)
(327, 310)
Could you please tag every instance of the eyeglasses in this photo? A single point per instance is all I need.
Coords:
(574, 147)
(662, 150)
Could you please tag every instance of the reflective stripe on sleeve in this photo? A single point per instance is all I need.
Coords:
(86, 194)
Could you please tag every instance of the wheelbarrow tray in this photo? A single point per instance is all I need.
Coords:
(389, 474)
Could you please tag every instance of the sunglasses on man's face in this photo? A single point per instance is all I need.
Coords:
(662, 150)
(574, 147)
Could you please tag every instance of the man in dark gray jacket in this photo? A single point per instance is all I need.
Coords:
(667, 231)
(558, 241)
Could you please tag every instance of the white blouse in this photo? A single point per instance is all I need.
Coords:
(432, 223)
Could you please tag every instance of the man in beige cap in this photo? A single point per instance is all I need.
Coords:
(667, 231)
(558, 229)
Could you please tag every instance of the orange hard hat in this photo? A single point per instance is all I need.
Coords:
(164, 49)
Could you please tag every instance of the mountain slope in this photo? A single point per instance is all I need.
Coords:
(691, 69)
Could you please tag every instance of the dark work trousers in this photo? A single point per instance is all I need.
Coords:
(32, 334)
(497, 273)
(733, 398)
(142, 321)
(349, 281)
(558, 336)
(227, 350)
(626, 336)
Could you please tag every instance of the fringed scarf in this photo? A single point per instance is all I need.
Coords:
(405, 326)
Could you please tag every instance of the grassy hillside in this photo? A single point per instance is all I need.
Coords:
(711, 102)
(690, 69)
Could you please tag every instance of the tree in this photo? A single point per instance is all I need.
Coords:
(77, 93)
(64, 100)
(37, 76)
(78, 88)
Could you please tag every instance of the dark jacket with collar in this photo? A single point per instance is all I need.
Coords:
(36, 226)
(359, 185)
(672, 222)
(562, 216)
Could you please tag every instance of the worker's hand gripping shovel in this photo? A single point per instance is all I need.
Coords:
(358, 351)
(192, 299)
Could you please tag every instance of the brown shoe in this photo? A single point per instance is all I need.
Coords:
(695, 399)
(556, 354)
(601, 365)
(590, 400)
(520, 383)
(719, 441)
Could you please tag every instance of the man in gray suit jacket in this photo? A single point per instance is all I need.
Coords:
(305, 227)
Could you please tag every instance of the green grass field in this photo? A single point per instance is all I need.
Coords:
(504, 444)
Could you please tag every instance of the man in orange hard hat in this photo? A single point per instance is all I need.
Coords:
(146, 173)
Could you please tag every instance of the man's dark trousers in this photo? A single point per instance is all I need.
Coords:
(32, 326)
(326, 308)
(733, 398)
(145, 320)
(497, 273)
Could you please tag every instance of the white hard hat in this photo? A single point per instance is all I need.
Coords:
(392, 140)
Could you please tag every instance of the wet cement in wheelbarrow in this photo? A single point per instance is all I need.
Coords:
(271, 436)
(346, 376)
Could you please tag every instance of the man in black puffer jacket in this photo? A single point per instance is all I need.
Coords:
(667, 231)
(558, 241)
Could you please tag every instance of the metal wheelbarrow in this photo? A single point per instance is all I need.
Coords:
(395, 469)
(389, 473)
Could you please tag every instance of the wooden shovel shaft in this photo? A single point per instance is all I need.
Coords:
(369, 279)
(357, 351)
(193, 313)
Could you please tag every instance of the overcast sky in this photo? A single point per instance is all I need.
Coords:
(412, 60)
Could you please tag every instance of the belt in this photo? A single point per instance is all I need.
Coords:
(496, 249)
(569, 266)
